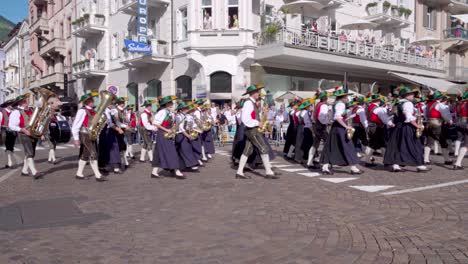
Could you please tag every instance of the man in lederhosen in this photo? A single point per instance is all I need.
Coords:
(131, 129)
(121, 121)
(321, 122)
(18, 122)
(82, 137)
(146, 129)
(7, 136)
(361, 125)
(250, 118)
(438, 118)
(463, 128)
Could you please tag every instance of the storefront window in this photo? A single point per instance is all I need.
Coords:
(221, 82)
(184, 87)
(153, 90)
(132, 94)
(207, 12)
(233, 14)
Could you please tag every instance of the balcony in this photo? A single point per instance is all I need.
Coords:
(457, 7)
(53, 79)
(457, 38)
(40, 26)
(160, 55)
(327, 54)
(387, 16)
(88, 27)
(89, 68)
(56, 46)
(221, 39)
(129, 7)
(11, 64)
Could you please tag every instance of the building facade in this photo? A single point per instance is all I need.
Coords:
(2, 75)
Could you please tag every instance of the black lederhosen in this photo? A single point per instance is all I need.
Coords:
(29, 145)
(254, 140)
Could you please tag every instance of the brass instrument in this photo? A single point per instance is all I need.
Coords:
(39, 122)
(419, 121)
(173, 131)
(265, 126)
(206, 126)
(193, 133)
(350, 131)
(99, 120)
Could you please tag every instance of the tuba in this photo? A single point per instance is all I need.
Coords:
(39, 122)
(99, 120)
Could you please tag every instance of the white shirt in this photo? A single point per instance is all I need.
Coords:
(408, 111)
(213, 113)
(323, 116)
(306, 117)
(109, 113)
(118, 110)
(197, 113)
(78, 122)
(191, 119)
(145, 122)
(362, 116)
(1, 117)
(339, 111)
(161, 115)
(180, 118)
(239, 117)
(228, 116)
(279, 119)
(247, 110)
(444, 110)
(382, 113)
(14, 121)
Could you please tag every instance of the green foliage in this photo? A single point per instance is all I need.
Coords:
(387, 4)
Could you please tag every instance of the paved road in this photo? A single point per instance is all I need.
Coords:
(304, 217)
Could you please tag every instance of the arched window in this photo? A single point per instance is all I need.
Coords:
(184, 87)
(153, 90)
(132, 94)
(221, 82)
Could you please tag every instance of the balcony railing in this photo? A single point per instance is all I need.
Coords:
(457, 33)
(387, 16)
(52, 79)
(91, 67)
(462, 1)
(159, 54)
(89, 26)
(130, 6)
(332, 44)
(56, 45)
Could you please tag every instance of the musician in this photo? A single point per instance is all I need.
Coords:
(339, 149)
(109, 151)
(121, 121)
(146, 129)
(299, 137)
(18, 121)
(463, 128)
(8, 137)
(250, 118)
(403, 147)
(183, 138)
(82, 137)
(290, 137)
(307, 136)
(131, 129)
(207, 136)
(322, 120)
(438, 118)
(53, 132)
(165, 154)
(361, 125)
(379, 120)
(196, 142)
(238, 143)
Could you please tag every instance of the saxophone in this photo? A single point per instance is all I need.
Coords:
(173, 131)
(99, 120)
(265, 126)
(39, 122)
(419, 121)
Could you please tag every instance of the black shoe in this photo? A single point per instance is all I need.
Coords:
(369, 165)
(272, 176)
(357, 172)
(238, 176)
(81, 177)
(126, 167)
(38, 175)
(327, 172)
(455, 167)
(7, 166)
(141, 161)
(428, 163)
(154, 176)
(102, 179)
(423, 170)
(24, 174)
(449, 162)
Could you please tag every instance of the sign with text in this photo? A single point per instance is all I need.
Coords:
(133, 46)
(142, 21)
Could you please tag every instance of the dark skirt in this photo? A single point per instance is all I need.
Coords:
(114, 153)
(208, 142)
(299, 153)
(104, 146)
(290, 138)
(165, 153)
(307, 142)
(338, 149)
(239, 142)
(403, 147)
(197, 147)
(185, 152)
(377, 136)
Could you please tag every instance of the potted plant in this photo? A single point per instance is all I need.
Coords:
(394, 10)
(386, 6)
(401, 11)
(85, 19)
(371, 8)
(100, 18)
(408, 13)
(271, 31)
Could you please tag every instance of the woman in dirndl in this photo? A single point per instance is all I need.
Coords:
(165, 154)
(339, 149)
(207, 136)
(307, 136)
(183, 139)
(404, 148)
(238, 143)
(290, 138)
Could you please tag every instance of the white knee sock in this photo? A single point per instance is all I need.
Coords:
(150, 155)
(382, 150)
(266, 163)
(354, 169)
(155, 171)
(9, 160)
(52, 155)
(326, 167)
(130, 150)
(209, 156)
(461, 156)
(143, 154)
(178, 173)
(203, 154)
(81, 166)
(94, 167)
(200, 163)
(457, 147)
(25, 166)
(445, 153)
(368, 154)
(242, 162)
(124, 159)
(290, 152)
(32, 166)
(436, 147)
(427, 153)
(311, 156)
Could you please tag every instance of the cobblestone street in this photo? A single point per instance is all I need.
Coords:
(305, 217)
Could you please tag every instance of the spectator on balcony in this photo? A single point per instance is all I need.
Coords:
(207, 23)
(315, 27)
(343, 36)
(359, 38)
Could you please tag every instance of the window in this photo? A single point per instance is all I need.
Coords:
(69, 30)
(183, 23)
(207, 14)
(221, 82)
(269, 10)
(114, 46)
(233, 14)
(132, 94)
(153, 90)
(430, 18)
(184, 87)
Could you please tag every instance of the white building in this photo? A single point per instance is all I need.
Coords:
(216, 48)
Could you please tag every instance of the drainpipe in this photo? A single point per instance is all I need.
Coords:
(173, 88)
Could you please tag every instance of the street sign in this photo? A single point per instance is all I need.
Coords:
(113, 89)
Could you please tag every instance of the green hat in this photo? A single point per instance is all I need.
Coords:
(148, 102)
(350, 104)
(339, 92)
(373, 97)
(359, 99)
(436, 95)
(87, 96)
(252, 88)
(130, 106)
(321, 94)
(22, 97)
(305, 104)
(465, 96)
(295, 102)
(121, 100)
(192, 107)
(183, 105)
(7, 103)
(200, 101)
(206, 107)
(404, 90)
(167, 99)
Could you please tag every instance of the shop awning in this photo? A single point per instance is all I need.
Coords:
(434, 83)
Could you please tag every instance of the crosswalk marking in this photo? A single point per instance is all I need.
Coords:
(337, 180)
(310, 174)
(294, 170)
(372, 188)
(281, 166)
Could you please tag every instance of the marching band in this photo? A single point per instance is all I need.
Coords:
(403, 129)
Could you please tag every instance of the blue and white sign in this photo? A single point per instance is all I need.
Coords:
(142, 21)
(133, 46)
(113, 89)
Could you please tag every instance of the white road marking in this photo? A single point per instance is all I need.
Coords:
(372, 188)
(337, 180)
(8, 175)
(282, 166)
(310, 174)
(418, 189)
(294, 170)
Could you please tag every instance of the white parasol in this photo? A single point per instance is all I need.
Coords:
(359, 24)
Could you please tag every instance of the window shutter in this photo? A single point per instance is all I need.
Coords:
(434, 19)
(425, 17)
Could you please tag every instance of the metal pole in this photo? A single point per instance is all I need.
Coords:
(345, 82)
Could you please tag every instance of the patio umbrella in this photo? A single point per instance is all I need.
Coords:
(359, 24)
(303, 6)
(463, 18)
(426, 41)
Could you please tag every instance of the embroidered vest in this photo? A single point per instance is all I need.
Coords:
(374, 118)
(432, 111)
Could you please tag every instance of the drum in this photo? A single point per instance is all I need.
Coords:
(64, 130)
